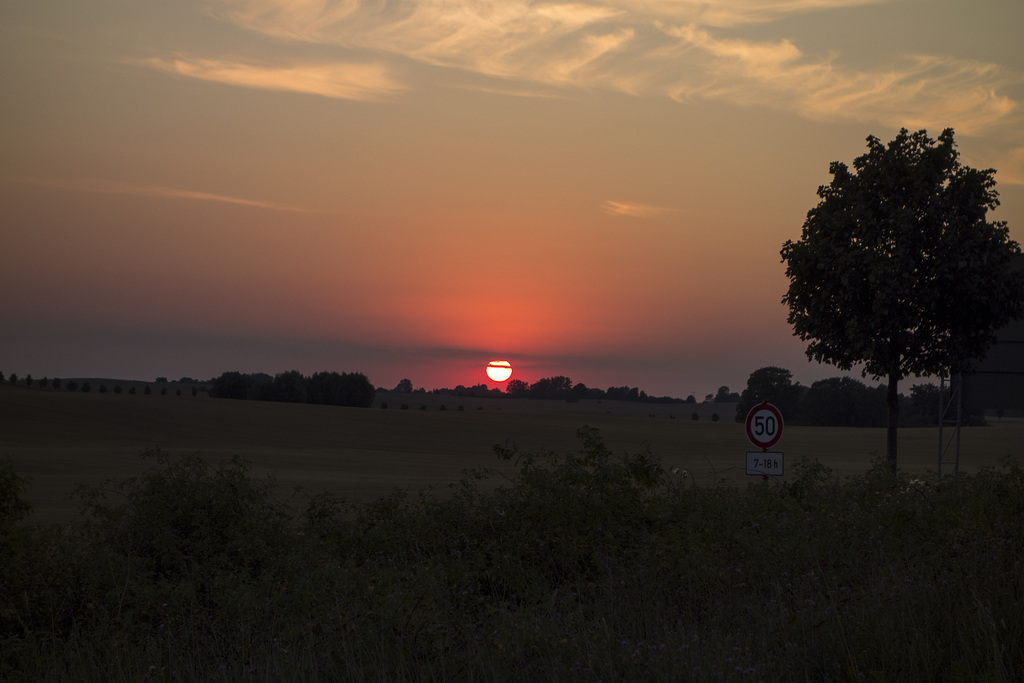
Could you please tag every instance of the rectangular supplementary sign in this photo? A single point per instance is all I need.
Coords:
(765, 463)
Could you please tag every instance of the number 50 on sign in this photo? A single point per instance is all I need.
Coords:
(764, 425)
(764, 429)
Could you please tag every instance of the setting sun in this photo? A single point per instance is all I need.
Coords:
(499, 370)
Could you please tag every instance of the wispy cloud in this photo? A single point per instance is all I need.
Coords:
(633, 209)
(642, 47)
(365, 82)
(916, 91)
(102, 186)
(728, 13)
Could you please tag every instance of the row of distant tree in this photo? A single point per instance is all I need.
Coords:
(560, 387)
(324, 388)
(837, 401)
(86, 386)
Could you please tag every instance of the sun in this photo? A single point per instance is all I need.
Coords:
(499, 370)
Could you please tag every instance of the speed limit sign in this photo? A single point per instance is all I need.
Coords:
(764, 425)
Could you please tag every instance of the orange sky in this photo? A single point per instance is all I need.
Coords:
(591, 189)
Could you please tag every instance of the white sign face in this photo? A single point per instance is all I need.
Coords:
(765, 463)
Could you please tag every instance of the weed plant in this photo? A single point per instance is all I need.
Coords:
(588, 566)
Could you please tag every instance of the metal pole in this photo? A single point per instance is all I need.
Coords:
(942, 418)
(959, 417)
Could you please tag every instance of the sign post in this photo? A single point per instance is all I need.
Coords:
(764, 429)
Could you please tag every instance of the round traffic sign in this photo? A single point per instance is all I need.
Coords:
(764, 425)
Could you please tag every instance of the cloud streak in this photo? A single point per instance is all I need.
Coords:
(363, 82)
(633, 209)
(102, 186)
(916, 91)
(642, 47)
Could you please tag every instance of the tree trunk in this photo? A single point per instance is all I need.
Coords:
(892, 424)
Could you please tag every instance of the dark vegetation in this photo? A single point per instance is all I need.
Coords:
(558, 387)
(899, 271)
(583, 566)
(833, 402)
(322, 388)
(840, 401)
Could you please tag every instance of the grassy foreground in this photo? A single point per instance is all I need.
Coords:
(580, 566)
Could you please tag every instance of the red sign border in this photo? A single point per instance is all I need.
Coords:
(778, 416)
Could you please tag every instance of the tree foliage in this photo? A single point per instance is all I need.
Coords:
(289, 387)
(326, 388)
(898, 269)
(774, 385)
(844, 402)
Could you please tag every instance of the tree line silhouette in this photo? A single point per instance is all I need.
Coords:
(833, 402)
(323, 388)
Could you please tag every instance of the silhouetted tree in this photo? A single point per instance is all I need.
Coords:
(56, 382)
(13, 379)
(844, 402)
(517, 388)
(898, 269)
(404, 386)
(344, 389)
(923, 404)
(726, 396)
(290, 387)
(623, 393)
(231, 385)
(551, 387)
(774, 385)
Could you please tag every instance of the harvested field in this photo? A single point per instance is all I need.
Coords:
(61, 439)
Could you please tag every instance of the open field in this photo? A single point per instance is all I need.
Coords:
(61, 439)
(593, 566)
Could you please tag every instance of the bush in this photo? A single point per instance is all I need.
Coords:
(582, 566)
(13, 507)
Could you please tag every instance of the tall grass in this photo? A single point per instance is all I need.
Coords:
(584, 566)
